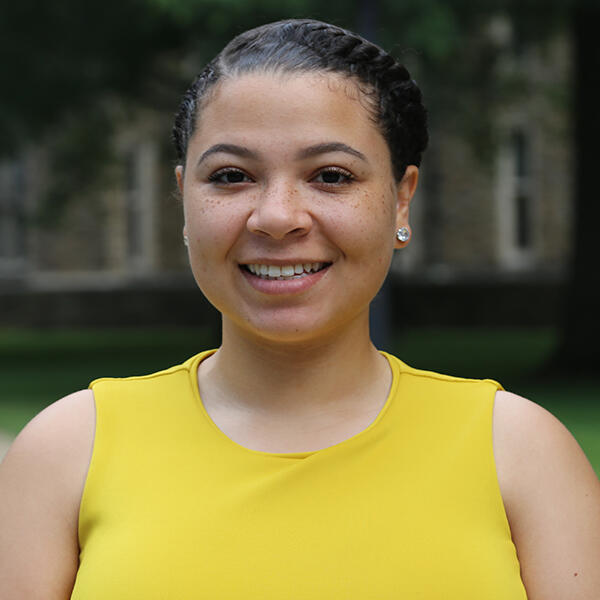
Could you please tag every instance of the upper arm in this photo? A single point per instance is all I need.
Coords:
(552, 500)
(41, 482)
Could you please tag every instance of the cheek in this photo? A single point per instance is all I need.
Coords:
(373, 220)
(212, 229)
(210, 224)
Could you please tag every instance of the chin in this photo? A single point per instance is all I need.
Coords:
(298, 328)
(286, 332)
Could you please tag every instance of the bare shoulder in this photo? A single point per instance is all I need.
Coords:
(552, 500)
(59, 437)
(41, 482)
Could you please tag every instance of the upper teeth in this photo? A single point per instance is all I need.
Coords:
(285, 270)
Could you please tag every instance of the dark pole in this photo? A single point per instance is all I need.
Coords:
(379, 315)
(578, 350)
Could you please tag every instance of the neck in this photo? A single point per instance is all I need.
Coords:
(299, 378)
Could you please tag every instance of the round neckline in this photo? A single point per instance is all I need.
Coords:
(194, 363)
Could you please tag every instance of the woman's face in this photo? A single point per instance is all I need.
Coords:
(290, 205)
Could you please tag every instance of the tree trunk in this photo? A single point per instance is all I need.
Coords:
(580, 335)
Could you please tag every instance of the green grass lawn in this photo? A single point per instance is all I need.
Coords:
(38, 367)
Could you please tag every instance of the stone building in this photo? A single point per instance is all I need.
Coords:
(511, 218)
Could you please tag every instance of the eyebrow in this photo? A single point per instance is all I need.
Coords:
(228, 149)
(330, 147)
(304, 153)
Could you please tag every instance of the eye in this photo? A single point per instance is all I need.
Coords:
(333, 176)
(228, 176)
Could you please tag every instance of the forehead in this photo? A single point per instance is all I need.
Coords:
(288, 109)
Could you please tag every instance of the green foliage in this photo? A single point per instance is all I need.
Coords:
(430, 26)
(58, 57)
(186, 11)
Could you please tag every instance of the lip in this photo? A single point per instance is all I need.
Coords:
(283, 286)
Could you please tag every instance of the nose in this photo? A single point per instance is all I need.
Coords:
(280, 211)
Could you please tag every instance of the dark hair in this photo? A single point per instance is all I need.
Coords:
(305, 45)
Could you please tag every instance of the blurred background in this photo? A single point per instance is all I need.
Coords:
(500, 280)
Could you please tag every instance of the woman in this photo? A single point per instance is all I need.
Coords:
(297, 461)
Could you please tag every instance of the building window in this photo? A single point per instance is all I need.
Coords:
(522, 192)
(515, 201)
(140, 195)
(133, 208)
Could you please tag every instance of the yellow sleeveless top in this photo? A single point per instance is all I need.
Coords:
(409, 508)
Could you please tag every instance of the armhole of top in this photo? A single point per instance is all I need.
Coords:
(494, 460)
(91, 462)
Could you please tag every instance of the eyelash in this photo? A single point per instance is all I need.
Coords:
(346, 175)
(217, 176)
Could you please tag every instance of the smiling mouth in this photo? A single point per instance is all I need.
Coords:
(285, 272)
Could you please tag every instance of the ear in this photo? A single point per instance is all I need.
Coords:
(404, 194)
(179, 177)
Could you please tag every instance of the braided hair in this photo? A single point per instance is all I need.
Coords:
(305, 45)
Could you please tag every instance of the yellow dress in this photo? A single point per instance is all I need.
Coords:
(409, 508)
